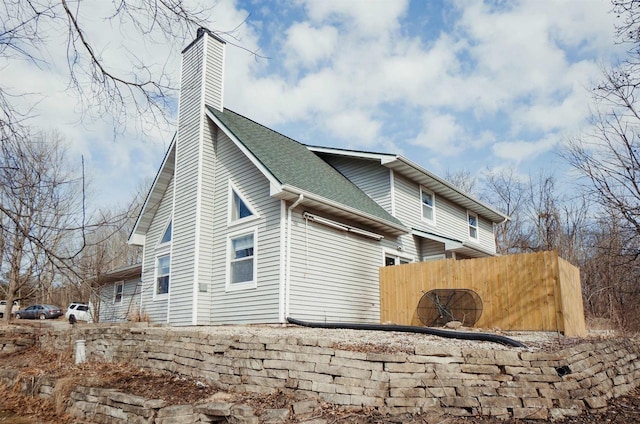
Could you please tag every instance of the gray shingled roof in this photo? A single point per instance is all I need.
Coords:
(291, 163)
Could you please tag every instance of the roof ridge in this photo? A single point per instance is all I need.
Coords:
(263, 126)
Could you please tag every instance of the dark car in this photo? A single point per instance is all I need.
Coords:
(39, 311)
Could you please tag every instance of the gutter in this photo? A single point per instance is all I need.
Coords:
(287, 278)
(392, 227)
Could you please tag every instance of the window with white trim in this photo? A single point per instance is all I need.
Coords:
(391, 259)
(428, 205)
(163, 271)
(166, 237)
(242, 261)
(472, 218)
(240, 209)
(118, 292)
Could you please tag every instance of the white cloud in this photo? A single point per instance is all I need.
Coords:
(301, 36)
(518, 151)
(443, 134)
(495, 72)
(369, 18)
(355, 126)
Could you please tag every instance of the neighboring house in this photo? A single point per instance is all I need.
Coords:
(120, 294)
(245, 225)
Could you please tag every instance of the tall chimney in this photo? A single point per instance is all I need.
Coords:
(201, 86)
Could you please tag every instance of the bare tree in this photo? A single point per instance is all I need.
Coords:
(43, 218)
(608, 157)
(103, 87)
(506, 191)
(462, 179)
(40, 206)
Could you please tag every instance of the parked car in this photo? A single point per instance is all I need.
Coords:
(3, 305)
(79, 312)
(39, 311)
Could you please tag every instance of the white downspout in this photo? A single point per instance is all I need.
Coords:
(287, 280)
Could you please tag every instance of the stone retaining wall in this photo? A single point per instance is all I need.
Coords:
(446, 378)
(16, 340)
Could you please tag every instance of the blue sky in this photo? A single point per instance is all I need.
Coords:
(451, 85)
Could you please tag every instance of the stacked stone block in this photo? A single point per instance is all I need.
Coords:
(457, 380)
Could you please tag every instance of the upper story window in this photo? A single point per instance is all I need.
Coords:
(166, 237)
(239, 208)
(428, 204)
(241, 262)
(473, 225)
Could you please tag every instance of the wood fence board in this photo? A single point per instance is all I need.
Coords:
(536, 291)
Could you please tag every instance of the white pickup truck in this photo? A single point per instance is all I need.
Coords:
(3, 305)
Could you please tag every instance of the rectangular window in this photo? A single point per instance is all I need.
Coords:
(473, 225)
(242, 260)
(118, 294)
(163, 269)
(428, 202)
(391, 259)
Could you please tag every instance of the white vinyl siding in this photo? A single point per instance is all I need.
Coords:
(192, 246)
(190, 115)
(261, 303)
(334, 274)
(452, 219)
(368, 175)
(124, 310)
(431, 248)
(156, 308)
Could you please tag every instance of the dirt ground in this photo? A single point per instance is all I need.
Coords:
(16, 408)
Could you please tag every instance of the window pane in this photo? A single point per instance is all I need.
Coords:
(243, 247)
(163, 265)
(240, 209)
(389, 261)
(473, 220)
(163, 284)
(427, 205)
(162, 274)
(473, 233)
(242, 271)
(167, 234)
(427, 212)
(427, 198)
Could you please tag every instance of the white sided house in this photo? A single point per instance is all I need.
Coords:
(245, 225)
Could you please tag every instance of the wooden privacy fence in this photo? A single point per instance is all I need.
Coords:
(532, 292)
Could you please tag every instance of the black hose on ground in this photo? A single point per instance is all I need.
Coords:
(485, 337)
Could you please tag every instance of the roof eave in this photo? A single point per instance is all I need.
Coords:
(288, 192)
(154, 195)
(442, 187)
